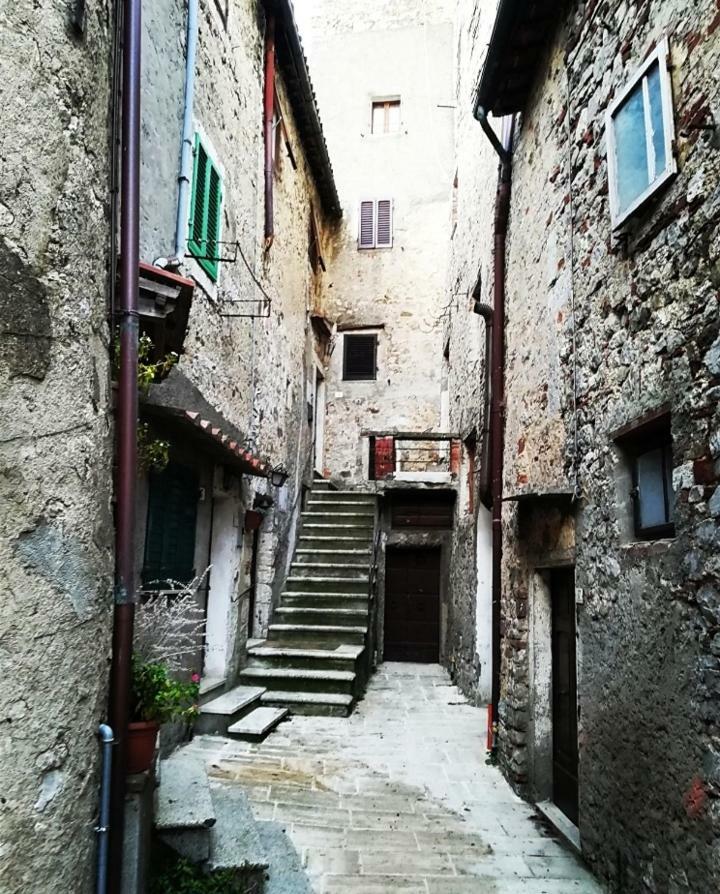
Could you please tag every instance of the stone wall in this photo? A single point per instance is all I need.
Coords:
(55, 450)
(252, 358)
(398, 291)
(643, 312)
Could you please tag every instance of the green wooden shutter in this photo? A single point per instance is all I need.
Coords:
(205, 212)
(170, 532)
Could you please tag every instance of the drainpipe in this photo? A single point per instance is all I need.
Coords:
(126, 425)
(186, 149)
(106, 736)
(497, 401)
(268, 113)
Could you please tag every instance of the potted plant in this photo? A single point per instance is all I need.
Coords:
(157, 698)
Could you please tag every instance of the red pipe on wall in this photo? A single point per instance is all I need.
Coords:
(268, 115)
(497, 422)
(126, 428)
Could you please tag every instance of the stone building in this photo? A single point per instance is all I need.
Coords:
(608, 710)
(56, 532)
(246, 322)
(391, 253)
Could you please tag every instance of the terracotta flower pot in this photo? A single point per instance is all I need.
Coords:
(141, 745)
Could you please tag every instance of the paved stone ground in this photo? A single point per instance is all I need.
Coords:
(398, 798)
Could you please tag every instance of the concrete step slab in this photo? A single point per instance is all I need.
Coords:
(325, 584)
(257, 724)
(183, 800)
(293, 679)
(328, 704)
(285, 874)
(217, 714)
(327, 613)
(271, 654)
(234, 840)
(334, 632)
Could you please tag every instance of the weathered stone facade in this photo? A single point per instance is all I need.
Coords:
(55, 450)
(250, 346)
(396, 292)
(600, 331)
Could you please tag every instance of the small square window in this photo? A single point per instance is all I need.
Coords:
(648, 450)
(640, 135)
(360, 358)
(386, 116)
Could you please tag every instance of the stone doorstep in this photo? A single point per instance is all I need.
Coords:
(231, 702)
(317, 629)
(561, 823)
(183, 800)
(328, 611)
(346, 650)
(234, 840)
(299, 673)
(258, 723)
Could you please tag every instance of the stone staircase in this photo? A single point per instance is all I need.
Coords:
(312, 659)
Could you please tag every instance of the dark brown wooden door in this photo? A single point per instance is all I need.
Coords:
(564, 689)
(412, 605)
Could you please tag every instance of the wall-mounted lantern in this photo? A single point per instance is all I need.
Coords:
(278, 476)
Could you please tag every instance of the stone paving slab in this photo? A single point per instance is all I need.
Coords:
(398, 798)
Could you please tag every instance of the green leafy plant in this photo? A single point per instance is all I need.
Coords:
(158, 698)
(153, 453)
(172, 874)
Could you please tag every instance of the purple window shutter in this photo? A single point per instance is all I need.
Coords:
(384, 223)
(367, 228)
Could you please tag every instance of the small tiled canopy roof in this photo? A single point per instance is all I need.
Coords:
(516, 46)
(233, 451)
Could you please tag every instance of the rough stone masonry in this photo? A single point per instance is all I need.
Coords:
(55, 446)
(601, 331)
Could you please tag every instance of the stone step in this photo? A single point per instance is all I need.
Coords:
(331, 632)
(360, 570)
(300, 679)
(328, 704)
(336, 494)
(328, 614)
(216, 715)
(324, 584)
(340, 504)
(360, 517)
(277, 655)
(299, 599)
(333, 555)
(234, 840)
(184, 809)
(322, 484)
(309, 541)
(285, 874)
(337, 529)
(253, 727)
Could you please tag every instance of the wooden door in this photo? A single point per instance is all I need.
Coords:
(564, 693)
(412, 605)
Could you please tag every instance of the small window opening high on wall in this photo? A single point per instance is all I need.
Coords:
(646, 479)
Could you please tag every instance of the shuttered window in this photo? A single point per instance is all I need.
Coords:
(170, 533)
(205, 212)
(359, 358)
(376, 224)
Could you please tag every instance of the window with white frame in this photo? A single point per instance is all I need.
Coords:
(386, 116)
(640, 135)
(375, 224)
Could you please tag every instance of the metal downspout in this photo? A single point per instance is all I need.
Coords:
(126, 428)
(497, 385)
(107, 738)
(186, 149)
(268, 114)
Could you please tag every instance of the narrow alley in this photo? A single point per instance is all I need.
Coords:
(360, 447)
(398, 798)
